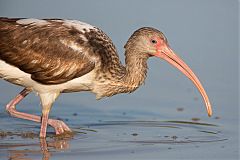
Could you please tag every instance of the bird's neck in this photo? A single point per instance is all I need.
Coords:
(136, 69)
(123, 79)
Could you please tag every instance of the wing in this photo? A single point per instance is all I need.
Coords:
(52, 51)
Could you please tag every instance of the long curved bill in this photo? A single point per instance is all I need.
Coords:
(167, 54)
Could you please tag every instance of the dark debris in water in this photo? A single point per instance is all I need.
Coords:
(3, 134)
(74, 114)
(180, 109)
(32, 135)
(195, 119)
(29, 134)
(134, 134)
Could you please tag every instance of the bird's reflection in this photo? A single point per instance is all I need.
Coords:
(58, 144)
(45, 149)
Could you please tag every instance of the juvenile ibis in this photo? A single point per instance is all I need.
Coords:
(54, 56)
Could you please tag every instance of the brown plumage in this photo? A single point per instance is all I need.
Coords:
(52, 56)
(37, 51)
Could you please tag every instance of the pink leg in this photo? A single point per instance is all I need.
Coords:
(45, 113)
(59, 126)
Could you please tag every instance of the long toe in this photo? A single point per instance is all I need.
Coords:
(59, 126)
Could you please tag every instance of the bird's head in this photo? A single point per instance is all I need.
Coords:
(150, 42)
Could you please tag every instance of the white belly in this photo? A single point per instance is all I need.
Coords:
(16, 76)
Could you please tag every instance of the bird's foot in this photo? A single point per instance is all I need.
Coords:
(59, 126)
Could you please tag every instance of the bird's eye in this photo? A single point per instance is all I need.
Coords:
(153, 41)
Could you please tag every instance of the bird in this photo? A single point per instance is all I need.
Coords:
(54, 56)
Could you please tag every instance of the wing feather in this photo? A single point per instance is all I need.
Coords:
(38, 49)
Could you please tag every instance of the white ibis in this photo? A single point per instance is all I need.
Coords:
(53, 56)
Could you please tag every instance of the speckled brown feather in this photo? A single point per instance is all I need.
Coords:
(37, 51)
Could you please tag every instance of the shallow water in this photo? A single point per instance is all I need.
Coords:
(119, 138)
(121, 133)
